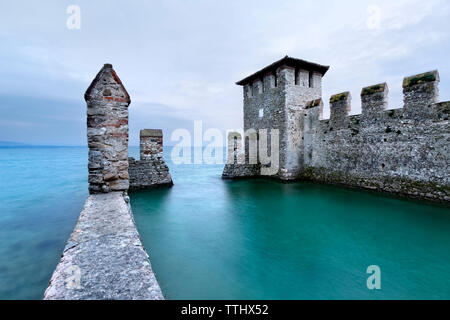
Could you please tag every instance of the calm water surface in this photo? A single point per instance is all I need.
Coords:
(215, 239)
(41, 195)
(261, 239)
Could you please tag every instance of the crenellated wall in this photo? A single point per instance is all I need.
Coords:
(404, 151)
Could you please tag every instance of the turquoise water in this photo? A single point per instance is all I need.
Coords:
(261, 239)
(41, 195)
(209, 238)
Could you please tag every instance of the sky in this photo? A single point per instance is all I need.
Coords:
(179, 60)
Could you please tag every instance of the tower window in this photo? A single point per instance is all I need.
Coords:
(276, 79)
(311, 82)
(296, 76)
(261, 113)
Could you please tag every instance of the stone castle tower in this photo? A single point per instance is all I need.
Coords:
(273, 99)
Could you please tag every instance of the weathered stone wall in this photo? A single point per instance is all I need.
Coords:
(107, 132)
(297, 96)
(238, 165)
(151, 170)
(151, 144)
(404, 151)
(281, 96)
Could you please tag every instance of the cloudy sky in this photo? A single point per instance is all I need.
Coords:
(179, 60)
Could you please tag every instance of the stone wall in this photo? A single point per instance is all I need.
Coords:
(151, 170)
(107, 132)
(151, 144)
(238, 165)
(280, 102)
(403, 151)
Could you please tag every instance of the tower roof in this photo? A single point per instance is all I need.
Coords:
(288, 61)
(106, 77)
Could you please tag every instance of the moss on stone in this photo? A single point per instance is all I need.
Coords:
(313, 103)
(339, 97)
(419, 78)
(373, 89)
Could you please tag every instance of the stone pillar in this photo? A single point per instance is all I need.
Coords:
(151, 144)
(235, 154)
(339, 109)
(107, 132)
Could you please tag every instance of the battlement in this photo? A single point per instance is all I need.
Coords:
(282, 73)
(420, 91)
(340, 105)
(374, 100)
(420, 95)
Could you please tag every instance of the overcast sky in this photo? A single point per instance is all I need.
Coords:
(179, 60)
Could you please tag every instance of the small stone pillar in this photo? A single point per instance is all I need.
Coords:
(419, 91)
(374, 101)
(235, 154)
(339, 109)
(151, 144)
(107, 132)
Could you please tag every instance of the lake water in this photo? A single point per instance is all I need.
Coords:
(214, 239)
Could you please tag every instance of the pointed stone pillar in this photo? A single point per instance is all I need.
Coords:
(107, 132)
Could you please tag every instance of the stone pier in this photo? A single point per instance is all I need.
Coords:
(104, 257)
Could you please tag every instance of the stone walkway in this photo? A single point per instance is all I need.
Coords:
(104, 257)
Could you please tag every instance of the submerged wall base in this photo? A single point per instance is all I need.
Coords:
(106, 255)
